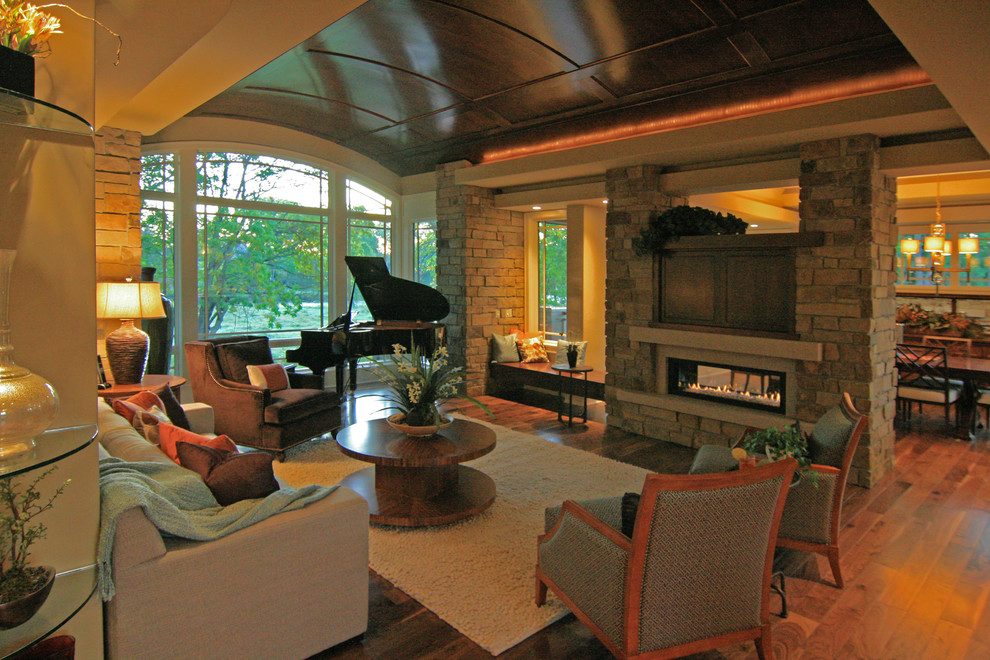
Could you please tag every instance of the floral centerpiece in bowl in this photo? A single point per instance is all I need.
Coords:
(418, 385)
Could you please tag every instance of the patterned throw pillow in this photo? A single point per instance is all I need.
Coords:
(159, 397)
(270, 376)
(230, 476)
(532, 350)
(146, 423)
(170, 435)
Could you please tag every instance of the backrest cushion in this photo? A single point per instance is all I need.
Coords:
(504, 348)
(270, 376)
(230, 476)
(169, 435)
(829, 437)
(235, 357)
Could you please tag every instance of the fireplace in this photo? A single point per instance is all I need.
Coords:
(733, 385)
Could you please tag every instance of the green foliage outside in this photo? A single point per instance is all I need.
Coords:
(684, 221)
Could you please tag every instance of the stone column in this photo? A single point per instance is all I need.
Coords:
(846, 291)
(634, 193)
(118, 204)
(480, 269)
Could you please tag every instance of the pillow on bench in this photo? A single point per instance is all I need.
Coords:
(504, 348)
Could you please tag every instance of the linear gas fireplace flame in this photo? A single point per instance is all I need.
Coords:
(730, 384)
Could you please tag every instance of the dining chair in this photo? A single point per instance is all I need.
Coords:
(923, 377)
(694, 574)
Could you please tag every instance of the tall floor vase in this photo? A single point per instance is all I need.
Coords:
(28, 402)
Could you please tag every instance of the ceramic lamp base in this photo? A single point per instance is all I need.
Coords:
(127, 353)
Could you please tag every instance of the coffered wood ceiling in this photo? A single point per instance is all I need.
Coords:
(416, 83)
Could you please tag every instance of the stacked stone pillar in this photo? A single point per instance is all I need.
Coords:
(634, 193)
(480, 269)
(118, 204)
(846, 291)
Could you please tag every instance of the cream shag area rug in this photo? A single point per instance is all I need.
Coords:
(477, 574)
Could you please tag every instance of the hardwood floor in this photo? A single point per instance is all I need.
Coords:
(915, 554)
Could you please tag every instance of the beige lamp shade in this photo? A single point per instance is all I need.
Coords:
(129, 300)
(969, 245)
(934, 243)
(947, 246)
(910, 246)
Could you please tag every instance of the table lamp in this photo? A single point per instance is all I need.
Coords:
(127, 346)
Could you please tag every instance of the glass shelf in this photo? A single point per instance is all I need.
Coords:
(19, 110)
(72, 590)
(50, 446)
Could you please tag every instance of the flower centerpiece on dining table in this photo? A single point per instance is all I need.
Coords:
(419, 384)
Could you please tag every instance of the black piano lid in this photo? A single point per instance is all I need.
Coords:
(392, 298)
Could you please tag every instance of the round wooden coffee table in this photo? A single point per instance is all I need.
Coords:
(415, 482)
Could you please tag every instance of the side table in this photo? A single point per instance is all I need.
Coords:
(150, 381)
(561, 370)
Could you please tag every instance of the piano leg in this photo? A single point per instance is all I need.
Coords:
(353, 374)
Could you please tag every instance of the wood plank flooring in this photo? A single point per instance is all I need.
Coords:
(916, 557)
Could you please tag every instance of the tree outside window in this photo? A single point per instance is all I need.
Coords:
(425, 248)
(369, 234)
(552, 310)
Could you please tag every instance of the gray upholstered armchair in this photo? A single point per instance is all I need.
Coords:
(694, 575)
(256, 416)
(813, 512)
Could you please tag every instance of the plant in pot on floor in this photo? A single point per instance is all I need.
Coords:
(418, 385)
(775, 444)
(23, 587)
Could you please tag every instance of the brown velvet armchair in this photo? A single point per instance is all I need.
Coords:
(695, 575)
(255, 416)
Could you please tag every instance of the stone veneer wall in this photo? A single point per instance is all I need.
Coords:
(118, 205)
(846, 291)
(118, 213)
(845, 300)
(480, 269)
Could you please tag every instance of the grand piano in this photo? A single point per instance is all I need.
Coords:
(404, 312)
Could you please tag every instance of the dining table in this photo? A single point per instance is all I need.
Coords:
(973, 372)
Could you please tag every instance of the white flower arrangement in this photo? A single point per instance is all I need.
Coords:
(419, 384)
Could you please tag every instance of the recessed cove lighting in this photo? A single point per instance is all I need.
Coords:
(537, 208)
(754, 225)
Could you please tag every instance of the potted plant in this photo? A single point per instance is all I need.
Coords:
(775, 444)
(684, 221)
(572, 355)
(24, 33)
(23, 587)
(418, 386)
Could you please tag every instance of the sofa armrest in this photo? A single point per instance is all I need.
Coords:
(136, 540)
(200, 416)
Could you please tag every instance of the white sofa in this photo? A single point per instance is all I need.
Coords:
(287, 587)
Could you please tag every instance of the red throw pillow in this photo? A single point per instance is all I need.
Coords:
(270, 376)
(144, 400)
(169, 435)
(230, 476)
(532, 350)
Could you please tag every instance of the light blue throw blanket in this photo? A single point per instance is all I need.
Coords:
(179, 503)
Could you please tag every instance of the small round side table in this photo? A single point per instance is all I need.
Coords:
(150, 381)
(562, 369)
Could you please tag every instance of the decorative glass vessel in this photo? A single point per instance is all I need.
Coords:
(28, 402)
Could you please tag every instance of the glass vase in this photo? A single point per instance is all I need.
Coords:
(28, 402)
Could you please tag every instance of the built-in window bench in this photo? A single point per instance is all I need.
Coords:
(506, 376)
